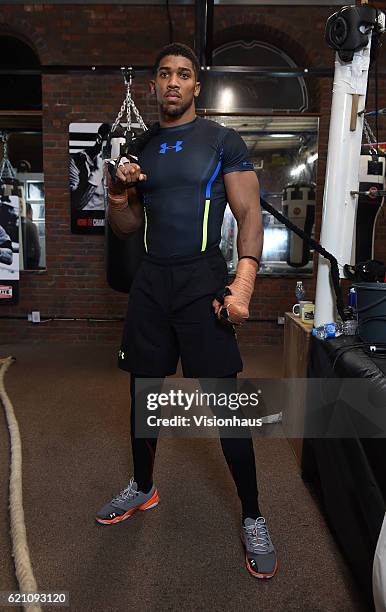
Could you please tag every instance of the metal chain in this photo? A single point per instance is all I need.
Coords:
(123, 107)
(128, 103)
(130, 107)
(138, 116)
(6, 168)
(369, 134)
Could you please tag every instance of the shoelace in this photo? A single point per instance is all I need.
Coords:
(128, 493)
(258, 536)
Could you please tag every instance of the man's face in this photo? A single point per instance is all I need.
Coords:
(175, 85)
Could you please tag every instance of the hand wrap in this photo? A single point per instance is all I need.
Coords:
(118, 198)
(237, 295)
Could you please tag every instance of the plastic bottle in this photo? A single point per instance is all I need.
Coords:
(352, 298)
(299, 291)
(350, 327)
(328, 330)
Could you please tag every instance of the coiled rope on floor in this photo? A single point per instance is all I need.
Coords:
(20, 551)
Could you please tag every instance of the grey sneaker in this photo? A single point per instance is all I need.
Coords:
(260, 555)
(126, 503)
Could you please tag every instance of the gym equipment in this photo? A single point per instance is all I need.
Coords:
(349, 32)
(371, 309)
(7, 171)
(299, 207)
(123, 257)
(371, 195)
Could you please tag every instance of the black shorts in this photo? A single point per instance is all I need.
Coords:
(170, 315)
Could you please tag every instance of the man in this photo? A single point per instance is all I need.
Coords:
(187, 171)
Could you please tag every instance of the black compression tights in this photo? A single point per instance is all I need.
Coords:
(238, 453)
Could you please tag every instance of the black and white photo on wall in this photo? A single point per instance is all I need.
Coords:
(9, 249)
(87, 191)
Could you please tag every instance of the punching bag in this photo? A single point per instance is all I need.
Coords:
(123, 257)
(299, 207)
(371, 182)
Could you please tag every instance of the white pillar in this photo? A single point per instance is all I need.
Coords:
(342, 176)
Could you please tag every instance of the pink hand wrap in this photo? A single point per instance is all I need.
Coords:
(118, 202)
(237, 304)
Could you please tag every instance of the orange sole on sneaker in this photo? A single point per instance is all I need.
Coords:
(261, 576)
(151, 503)
(256, 574)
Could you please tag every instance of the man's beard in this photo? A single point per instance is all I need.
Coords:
(175, 111)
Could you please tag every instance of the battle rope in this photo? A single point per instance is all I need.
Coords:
(20, 551)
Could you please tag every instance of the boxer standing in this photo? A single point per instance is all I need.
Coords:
(186, 173)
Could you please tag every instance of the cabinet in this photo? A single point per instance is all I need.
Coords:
(297, 337)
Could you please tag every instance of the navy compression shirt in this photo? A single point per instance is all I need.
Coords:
(184, 196)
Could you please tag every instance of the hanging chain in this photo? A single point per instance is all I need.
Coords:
(123, 108)
(128, 82)
(369, 134)
(128, 106)
(138, 116)
(6, 168)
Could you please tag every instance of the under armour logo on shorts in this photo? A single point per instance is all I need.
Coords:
(177, 146)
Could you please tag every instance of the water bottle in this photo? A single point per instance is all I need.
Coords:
(299, 291)
(350, 327)
(328, 330)
(352, 298)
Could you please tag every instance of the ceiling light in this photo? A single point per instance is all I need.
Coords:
(226, 99)
(282, 135)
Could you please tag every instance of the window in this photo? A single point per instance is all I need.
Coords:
(237, 93)
(21, 128)
(284, 153)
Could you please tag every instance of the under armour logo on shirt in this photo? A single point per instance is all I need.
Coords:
(177, 146)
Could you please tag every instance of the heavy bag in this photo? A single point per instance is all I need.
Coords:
(299, 207)
(123, 258)
(372, 181)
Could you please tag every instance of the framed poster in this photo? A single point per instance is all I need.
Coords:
(86, 141)
(9, 249)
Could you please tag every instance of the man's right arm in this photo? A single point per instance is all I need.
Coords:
(124, 210)
(126, 220)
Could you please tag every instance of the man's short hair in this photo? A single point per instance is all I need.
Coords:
(177, 49)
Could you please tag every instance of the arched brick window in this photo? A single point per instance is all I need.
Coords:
(21, 126)
(238, 93)
(19, 92)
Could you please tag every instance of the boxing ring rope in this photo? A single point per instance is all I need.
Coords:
(20, 551)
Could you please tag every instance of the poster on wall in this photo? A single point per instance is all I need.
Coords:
(87, 191)
(9, 249)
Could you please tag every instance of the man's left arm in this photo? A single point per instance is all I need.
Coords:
(243, 196)
(242, 190)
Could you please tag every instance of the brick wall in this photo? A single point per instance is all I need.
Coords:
(74, 283)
